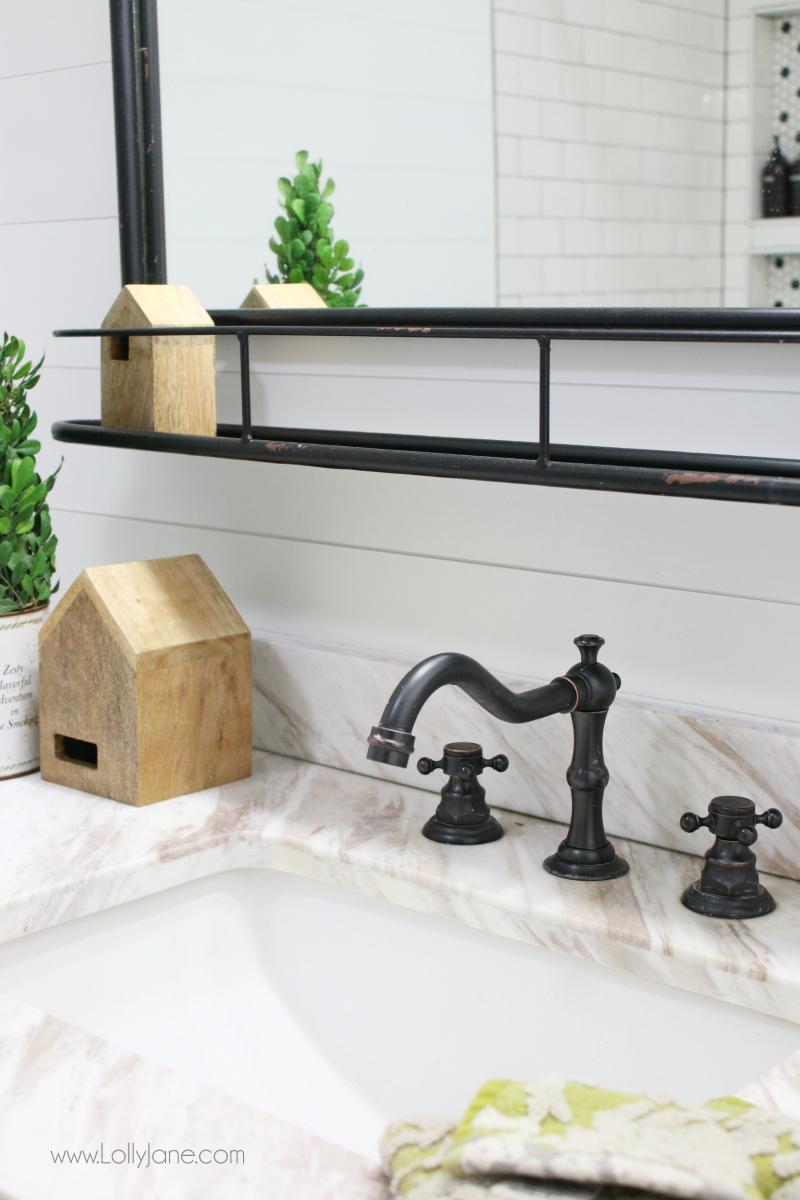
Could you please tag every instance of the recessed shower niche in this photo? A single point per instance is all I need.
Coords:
(775, 114)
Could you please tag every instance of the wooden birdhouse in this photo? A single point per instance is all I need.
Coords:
(160, 383)
(145, 683)
(283, 295)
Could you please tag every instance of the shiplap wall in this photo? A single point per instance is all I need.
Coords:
(699, 601)
(396, 99)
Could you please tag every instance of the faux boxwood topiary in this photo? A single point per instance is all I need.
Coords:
(27, 544)
(307, 251)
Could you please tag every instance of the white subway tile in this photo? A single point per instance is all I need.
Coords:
(624, 90)
(709, 137)
(676, 133)
(560, 42)
(739, 167)
(696, 238)
(508, 157)
(739, 70)
(601, 49)
(582, 84)
(541, 159)
(670, 168)
(659, 237)
(562, 198)
(683, 204)
(623, 164)
(518, 197)
(622, 238)
(514, 34)
(508, 238)
(551, 10)
(583, 237)
(602, 276)
(536, 236)
(737, 205)
(737, 171)
(602, 200)
(642, 202)
(635, 128)
(645, 57)
(561, 120)
(640, 274)
(737, 239)
(738, 35)
(714, 8)
(701, 31)
(601, 125)
(517, 115)
(582, 12)
(540, 78)
(583, 161)
(703, 272)
(506, 74)
(519, 275)
(561, 276)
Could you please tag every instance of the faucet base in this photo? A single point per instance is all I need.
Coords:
(590, 871)
(741, 908)
(462, 835)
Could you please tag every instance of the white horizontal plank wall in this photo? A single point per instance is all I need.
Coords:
(395, 98)
(699, 601)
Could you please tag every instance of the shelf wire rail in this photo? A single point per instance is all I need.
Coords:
(604, 468)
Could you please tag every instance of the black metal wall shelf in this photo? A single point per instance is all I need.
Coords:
(605, 468)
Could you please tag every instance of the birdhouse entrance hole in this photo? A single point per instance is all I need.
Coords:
(120, 350)
(75, 751)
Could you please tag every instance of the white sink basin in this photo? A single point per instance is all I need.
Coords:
(338, 1011)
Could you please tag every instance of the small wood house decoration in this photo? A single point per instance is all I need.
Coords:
(145, 683)
(162, 384)
(283, 295)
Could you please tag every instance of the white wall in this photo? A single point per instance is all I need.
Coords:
(610, 143)
(698, 600)
(395, 98)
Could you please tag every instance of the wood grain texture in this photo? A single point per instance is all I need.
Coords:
(164, 384)
(151, 663)
(283, 295)
(87, 690)
(163, 612)
(195, 723)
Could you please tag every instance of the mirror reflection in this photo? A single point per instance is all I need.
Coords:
(482, 152)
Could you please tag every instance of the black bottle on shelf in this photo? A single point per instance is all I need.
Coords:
(793, 206)
(775, 185)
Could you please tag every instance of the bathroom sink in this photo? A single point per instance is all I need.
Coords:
(339, 1011)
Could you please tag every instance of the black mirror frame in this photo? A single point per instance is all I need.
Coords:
(137, 120)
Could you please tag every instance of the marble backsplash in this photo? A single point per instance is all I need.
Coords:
(319, 704)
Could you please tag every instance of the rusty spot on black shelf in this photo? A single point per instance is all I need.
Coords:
(690, 477)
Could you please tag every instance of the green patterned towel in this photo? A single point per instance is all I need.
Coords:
(559, 1140)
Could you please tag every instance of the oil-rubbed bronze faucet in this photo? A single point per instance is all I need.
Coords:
(586, 692)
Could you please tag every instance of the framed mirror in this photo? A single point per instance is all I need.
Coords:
(485, 152)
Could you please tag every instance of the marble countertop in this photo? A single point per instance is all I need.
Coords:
(66, 854)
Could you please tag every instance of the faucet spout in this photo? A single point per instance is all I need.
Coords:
(392, 741)
(586, 692)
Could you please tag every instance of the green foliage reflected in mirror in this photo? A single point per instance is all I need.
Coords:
(308, 251)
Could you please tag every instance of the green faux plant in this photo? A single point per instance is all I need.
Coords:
(27, 545)
(307, 251)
